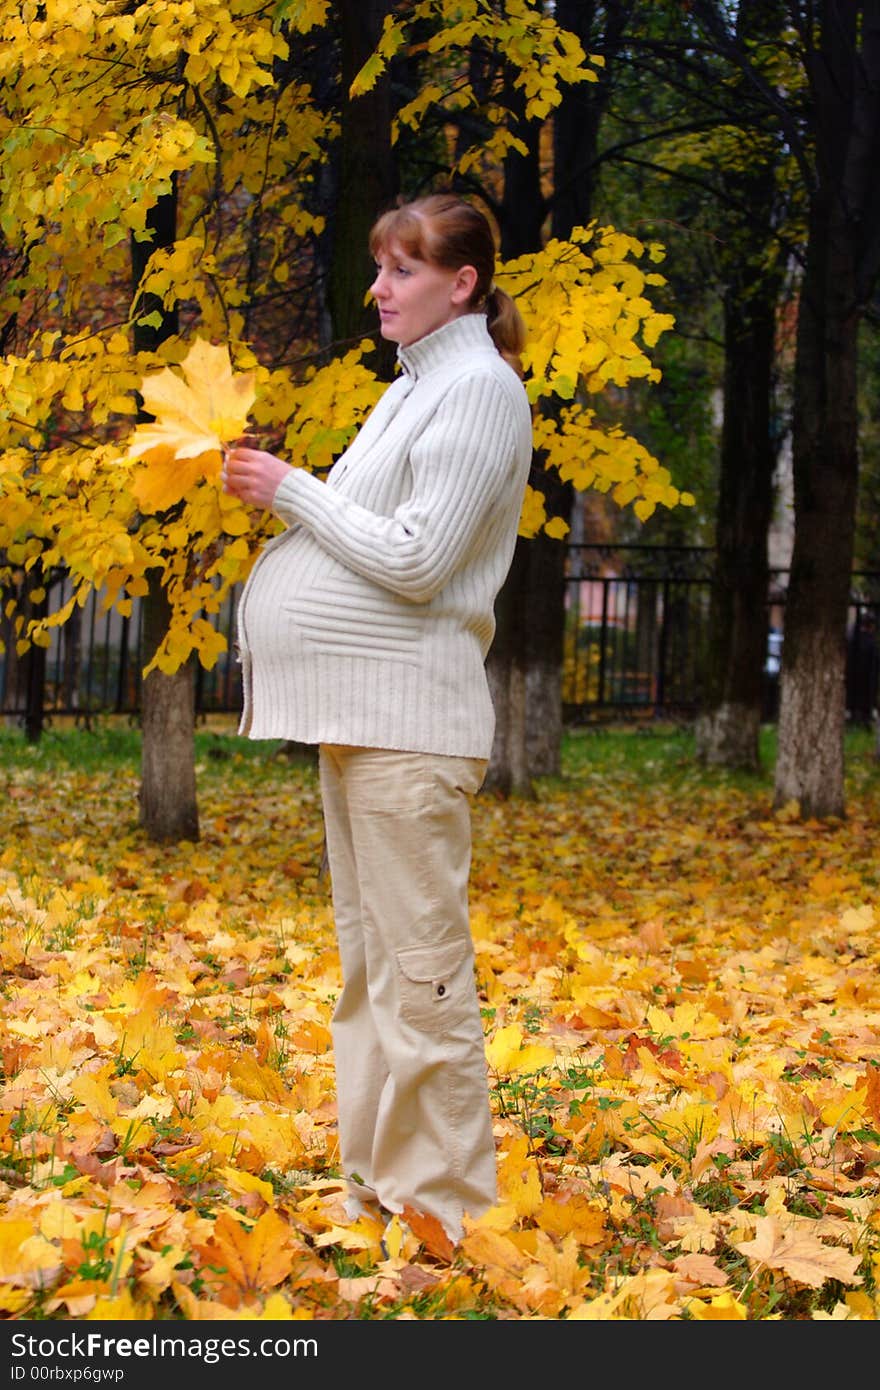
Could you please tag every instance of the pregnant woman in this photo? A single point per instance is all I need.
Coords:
(364, 628)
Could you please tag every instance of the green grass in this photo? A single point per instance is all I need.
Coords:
(114, 742)
(666, 753)
(647, 753)
(654, 753)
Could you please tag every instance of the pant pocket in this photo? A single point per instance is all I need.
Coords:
(436, 984)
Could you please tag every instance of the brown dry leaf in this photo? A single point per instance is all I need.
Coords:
(699, 1272)
(798, 1254)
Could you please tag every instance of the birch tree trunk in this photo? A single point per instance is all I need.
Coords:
(728, 725)
(812, 707)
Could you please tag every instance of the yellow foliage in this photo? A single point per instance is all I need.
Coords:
(86, 158)
(519, 1180)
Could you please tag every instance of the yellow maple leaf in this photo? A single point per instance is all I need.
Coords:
(248, 1182)
(721, 1307)
(845, 1110)
(520, 1180)
(573, 1215)
(198, 409)
(503, 1265)
(255, 1081)
(158, 1271)
(508, 1052)
(24, 1256)
(119, 1307)
(93, 1091)
(556, 1278)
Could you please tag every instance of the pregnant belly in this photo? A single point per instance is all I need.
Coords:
(300, 600)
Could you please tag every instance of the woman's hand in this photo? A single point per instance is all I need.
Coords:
(252, 475)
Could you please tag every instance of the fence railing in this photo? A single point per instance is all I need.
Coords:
(636, 625)
(635, 629)
(93, 663)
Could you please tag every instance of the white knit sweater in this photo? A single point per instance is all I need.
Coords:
(368, 620)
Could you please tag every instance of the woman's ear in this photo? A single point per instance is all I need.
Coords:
(464, 285)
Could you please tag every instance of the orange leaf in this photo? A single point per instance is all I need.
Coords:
(430, 1232)
(872, 1093)
(168, 478)
(253, 1260)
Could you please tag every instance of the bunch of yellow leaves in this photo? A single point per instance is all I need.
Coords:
(198, 409)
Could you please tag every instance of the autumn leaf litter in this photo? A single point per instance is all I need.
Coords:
(681, 1001)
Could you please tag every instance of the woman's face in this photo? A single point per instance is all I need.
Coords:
(414, 297)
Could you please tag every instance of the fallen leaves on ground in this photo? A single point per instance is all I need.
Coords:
(682, 1007)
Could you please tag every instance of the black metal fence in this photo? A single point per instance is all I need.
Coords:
(93, 663)
(636, 622)
(635, 629)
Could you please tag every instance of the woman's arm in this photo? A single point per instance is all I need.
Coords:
(475, 446)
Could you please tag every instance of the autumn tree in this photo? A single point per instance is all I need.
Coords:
(218, 107)
(89, 159)
(167, 796)
(527, 658)
(366, 177)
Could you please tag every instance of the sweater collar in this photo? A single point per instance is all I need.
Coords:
(445, 344)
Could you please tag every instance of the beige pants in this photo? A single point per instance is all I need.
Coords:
(415, 1125)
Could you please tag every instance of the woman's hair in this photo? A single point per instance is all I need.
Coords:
(448, 231)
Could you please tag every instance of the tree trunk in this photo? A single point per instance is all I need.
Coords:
(534, 672)
(728, 726)
(521, 216)
(35, 661)
(507, 773)
(365, 178)
(751, 265)
(839, 276)
(168, 805)
(809, 761)
(543, 638)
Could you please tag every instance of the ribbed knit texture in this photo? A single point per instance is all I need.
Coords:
(367, 622)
